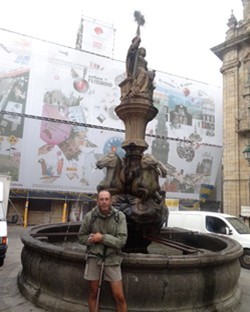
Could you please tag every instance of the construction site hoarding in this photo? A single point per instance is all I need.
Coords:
(57, 119)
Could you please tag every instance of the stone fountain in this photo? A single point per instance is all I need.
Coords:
(164, 269)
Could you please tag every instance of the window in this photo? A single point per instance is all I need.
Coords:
(215, 225)
(239, 226)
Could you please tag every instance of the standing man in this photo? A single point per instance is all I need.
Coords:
(104, 231)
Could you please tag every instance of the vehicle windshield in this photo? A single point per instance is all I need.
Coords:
(239, 225)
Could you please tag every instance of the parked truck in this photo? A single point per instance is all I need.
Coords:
(4, 199)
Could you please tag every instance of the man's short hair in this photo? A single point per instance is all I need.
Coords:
(103, 191)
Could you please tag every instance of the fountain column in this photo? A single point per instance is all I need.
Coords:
(135, 112)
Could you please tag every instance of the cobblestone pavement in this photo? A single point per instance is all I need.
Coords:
(10, 298)
(12, 301)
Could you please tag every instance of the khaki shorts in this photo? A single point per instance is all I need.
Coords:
(92, 271)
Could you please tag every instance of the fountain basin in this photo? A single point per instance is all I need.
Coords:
(165, 279)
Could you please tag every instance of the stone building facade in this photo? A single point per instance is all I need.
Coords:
(234, 52)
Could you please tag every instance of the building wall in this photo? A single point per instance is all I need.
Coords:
(230, 137)
(235, 55)
(42, 211)
(36, 217)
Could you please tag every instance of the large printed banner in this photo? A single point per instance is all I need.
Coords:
(81, 90)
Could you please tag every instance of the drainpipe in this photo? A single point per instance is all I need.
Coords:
(26, 210)
(64, 211)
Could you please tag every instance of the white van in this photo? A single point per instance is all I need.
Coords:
(3, 236)
(4, 198)
(213, 222)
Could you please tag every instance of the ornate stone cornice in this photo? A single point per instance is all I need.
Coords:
(231, 44)
(228, 66)
(244, 132)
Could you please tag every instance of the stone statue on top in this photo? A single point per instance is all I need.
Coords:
(139, 78)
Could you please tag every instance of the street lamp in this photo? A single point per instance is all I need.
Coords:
(246, 153)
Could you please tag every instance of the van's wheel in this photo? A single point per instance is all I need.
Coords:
(1, 262)
(245, 259)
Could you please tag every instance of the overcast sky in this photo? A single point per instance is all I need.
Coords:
(177, 35)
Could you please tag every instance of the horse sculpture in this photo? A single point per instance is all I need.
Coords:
(113, 179)
(146, 184)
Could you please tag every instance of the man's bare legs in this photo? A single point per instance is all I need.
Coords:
(117, 291)
(93, 290)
